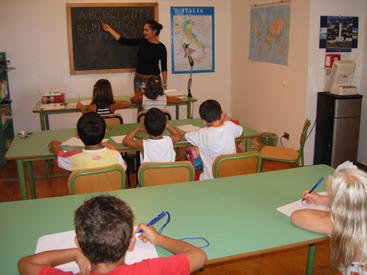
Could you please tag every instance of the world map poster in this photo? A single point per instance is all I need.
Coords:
(192, 26)
(269, 34)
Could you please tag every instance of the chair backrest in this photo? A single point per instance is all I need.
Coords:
(159, 173)
(100, 179)
(113, 119)
(300, 159)
(141, 115)
(237, 164)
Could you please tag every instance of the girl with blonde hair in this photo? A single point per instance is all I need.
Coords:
(346, 222)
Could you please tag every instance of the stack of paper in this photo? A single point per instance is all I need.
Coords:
(65, 240)
(188, 128)
(84, 102)
(52, 106)
(175, 93)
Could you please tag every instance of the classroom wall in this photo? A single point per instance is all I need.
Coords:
(35, 41)
(258, 96)
(259, 99)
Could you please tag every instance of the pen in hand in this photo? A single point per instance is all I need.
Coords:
(313, 188)
(160, 216)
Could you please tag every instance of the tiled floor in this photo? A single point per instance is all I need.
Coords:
(290, 261)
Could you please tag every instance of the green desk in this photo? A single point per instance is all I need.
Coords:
(44, 113)
(34, 147)
(237, 215)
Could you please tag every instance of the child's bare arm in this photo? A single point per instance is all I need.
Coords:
(129, 139)
(109, 145)
(81, 107)
(315, 198)
(137, 98)
(32, 265)
(175, 134)
(196, 256)
(173, 100)
(313, 220)
(55, 146)
(120, 104)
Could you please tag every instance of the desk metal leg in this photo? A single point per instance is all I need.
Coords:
(47, 124)
(42, 121)
(248, 144)
(31, 179)
(22, 183)
(188, 109)
(177, 111)
(310, 258)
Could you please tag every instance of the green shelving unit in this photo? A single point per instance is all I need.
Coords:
(7, 128)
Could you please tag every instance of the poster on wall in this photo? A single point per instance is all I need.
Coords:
(338, 33)
(269, 33)
(192, 33)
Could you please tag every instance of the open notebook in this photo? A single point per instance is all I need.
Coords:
(65, 240)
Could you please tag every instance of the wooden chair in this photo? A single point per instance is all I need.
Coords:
(141, 115)
(113, 119)
(284, 154)
(100, 179)
(159, 173)
(237, 164)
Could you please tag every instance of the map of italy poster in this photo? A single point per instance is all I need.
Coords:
(269, 34)
(193, 26)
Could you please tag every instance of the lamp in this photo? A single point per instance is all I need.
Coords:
(188, 52)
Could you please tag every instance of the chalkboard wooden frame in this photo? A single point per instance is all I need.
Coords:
(105, 8)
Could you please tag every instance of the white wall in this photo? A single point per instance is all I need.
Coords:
(316, 64)
(258, 97)
(34, 38)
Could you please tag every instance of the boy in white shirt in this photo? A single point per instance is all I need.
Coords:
(157, 148)
(216, 139)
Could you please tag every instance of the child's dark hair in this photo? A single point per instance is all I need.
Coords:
(210, 110)
(155, 26)
(91, 128)
(102, 93)
(153, 87)
(155, 122)
(104, 226)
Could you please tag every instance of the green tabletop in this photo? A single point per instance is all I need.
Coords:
(44, 121)
(237, 215)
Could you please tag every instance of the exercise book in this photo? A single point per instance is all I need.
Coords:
(65, 240)
(288, 209)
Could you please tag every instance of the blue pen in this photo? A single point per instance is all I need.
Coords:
(160, 216)
(61, 145)
(313, 188)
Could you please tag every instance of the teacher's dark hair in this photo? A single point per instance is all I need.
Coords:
(155, 26)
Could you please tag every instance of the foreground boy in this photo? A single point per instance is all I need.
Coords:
(104, 233)
(216, 139)
(91, 129)
(157, 148)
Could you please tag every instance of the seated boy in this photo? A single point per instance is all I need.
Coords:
(104, 233)
(157, 148)
(91, 129)
(216, 139)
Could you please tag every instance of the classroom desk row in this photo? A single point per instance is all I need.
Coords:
(34, 147)
(43, 114)
(237, 215)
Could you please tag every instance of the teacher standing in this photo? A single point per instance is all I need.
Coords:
(149, 53)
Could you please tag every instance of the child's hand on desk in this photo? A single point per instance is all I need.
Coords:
(83, 263)
(314, 198)
(54, 143)
(149, 233)
(142, 129)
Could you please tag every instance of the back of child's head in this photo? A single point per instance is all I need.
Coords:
(104, 226)
(153, 87)
(102, 93)
(210, 110)
(155, 122)
(91, 128)
(348, 206)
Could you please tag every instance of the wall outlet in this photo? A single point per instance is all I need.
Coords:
(286, 135)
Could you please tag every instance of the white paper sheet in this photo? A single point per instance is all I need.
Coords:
(188, 128)
(52, 106)
(65, 240)
(74, 141)
(84, 102)
(175, 93)
(288, 209)
(118, 139)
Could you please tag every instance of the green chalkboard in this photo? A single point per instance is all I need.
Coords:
(91, 49)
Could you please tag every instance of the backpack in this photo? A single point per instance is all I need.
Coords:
(193, 155)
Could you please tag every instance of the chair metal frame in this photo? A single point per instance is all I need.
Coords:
(165, 165)
(266, 151)
(110, 118)
(233, 157)
(141, 115)
(95, 171)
